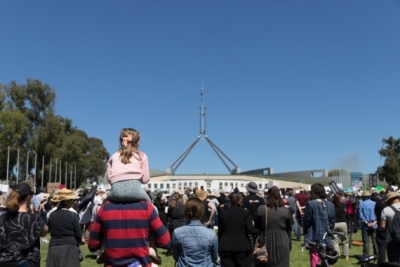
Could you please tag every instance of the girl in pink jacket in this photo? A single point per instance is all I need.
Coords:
(128, 169)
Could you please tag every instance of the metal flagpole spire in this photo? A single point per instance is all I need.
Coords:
(221, 155)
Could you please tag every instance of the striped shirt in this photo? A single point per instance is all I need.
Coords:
(125, 228)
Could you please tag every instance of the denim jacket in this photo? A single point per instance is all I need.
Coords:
(316, 222)
(194, 245)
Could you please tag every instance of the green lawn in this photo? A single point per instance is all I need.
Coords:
(298, 258)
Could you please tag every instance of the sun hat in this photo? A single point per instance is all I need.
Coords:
(55, 199)
(252, 187)
(390, 196)
(23, 189)
(222, 192)
(200, 194)
(366, 193)
(46, 196)
(66, 194)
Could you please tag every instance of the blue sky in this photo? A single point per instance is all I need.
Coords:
(287, 84)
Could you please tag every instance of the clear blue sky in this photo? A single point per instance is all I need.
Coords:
(288, 84)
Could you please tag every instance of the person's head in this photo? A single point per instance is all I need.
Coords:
(290, 192)
(129, 140)
(274, 198)
(175, 199)
(20, 194)
(318, 191)
(236, 199)
(392, 197)
(389, 189)
(366, 195)
(336, 199)
(194, 209)
(252, 188)
(187, 191)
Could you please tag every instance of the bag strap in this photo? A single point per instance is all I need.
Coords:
(266, 222)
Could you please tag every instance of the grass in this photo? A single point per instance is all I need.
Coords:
(298, 258)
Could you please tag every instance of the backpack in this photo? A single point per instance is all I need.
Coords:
(394, 227)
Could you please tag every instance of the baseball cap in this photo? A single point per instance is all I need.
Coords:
(23, 189)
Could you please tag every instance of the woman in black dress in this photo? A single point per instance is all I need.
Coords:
(279, 228)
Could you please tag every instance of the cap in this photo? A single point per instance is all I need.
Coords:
(23, 189)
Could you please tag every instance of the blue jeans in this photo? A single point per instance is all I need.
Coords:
(300, 220)
(296, 229)
(366, 234)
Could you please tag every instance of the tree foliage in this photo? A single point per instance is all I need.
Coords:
(390, 171)
(28, 124)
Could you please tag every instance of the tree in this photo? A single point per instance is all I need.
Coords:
(390, 171)
(28, 123)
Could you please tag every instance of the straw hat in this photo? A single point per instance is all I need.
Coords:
(66, 194)
(366, 193)
(390, 196)
(46, 196)
(200, 194)
(55, 199)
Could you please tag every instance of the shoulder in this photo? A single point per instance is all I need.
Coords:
(143, 155)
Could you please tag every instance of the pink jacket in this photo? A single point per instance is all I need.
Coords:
(136, 170)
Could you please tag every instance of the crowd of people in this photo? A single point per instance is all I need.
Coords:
(196, 227)
(127, 225)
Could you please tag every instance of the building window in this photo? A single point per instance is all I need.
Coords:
(161, 186)
(155, 186)
(173, 186)
(149, 186)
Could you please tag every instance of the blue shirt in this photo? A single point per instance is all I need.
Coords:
(194, 245)
(366, 211)
(35, 202)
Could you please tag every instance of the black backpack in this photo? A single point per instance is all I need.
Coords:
(394, 227)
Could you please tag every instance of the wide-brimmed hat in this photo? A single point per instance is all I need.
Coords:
(46, 196)
(201, 194)
(252, 187)
(222, 191)
(23, 189)
(66, 194)
(390, 196)
(366, 193)
(55, 199)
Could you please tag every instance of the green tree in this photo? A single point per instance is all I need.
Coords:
(28, 123)
(390, 171)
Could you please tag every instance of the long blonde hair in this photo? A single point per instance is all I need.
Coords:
(129, 141)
